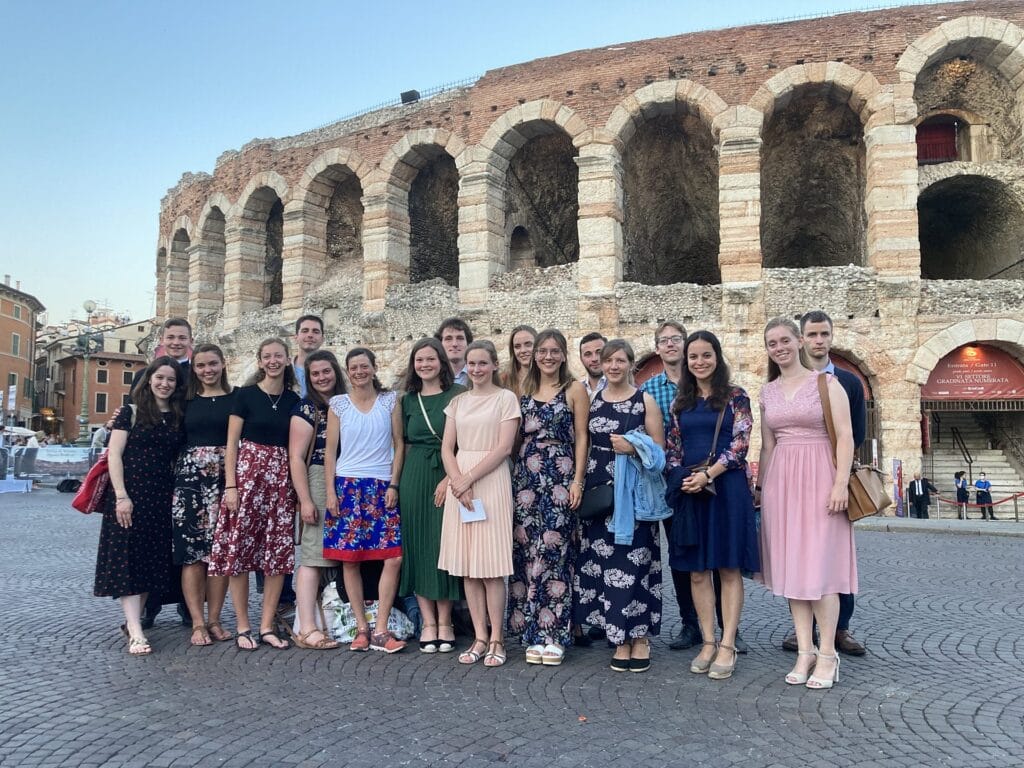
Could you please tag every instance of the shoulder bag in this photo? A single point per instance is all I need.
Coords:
(704, 465)
(866, 490)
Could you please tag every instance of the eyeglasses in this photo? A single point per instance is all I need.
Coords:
(548, 353)
(661, 341)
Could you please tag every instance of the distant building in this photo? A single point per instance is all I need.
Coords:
(60, 366)
(18, 313)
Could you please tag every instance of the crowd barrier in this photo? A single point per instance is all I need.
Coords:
(960, 510)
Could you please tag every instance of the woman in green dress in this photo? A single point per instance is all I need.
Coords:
(422, 487)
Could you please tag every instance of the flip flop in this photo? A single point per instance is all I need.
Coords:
(273, 633)
(247, 636)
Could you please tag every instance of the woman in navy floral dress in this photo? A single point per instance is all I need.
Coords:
(618, 586)
(547, 481)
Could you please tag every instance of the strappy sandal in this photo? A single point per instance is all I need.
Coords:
(493, 658)
(285, 645)
(248, 637)
(139, 646)
(800, 678)
(325, 643)
(217, 633)
(204, 636)
(470, 656)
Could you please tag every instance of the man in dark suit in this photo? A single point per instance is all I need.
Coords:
(919, 494)
(816, 328)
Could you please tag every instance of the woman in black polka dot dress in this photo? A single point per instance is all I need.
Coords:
(134, 555)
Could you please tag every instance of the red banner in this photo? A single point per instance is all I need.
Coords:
(975, 372)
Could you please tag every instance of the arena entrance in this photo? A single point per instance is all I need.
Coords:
(973, 419)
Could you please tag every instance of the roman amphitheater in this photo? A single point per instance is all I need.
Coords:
(868, 164)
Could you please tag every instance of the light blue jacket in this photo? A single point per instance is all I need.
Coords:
(639, 487)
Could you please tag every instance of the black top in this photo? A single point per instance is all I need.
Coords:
(264, 424)
(206, 420)
(308, 412)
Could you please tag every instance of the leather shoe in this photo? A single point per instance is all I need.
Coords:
(740, 644)
(687, 638)
(848, 644)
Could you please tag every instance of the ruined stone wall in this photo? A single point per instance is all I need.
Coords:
(434, 222)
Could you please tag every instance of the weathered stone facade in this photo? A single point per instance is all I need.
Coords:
(719, 178)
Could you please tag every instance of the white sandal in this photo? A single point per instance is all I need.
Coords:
(535, 654)
(552, 655)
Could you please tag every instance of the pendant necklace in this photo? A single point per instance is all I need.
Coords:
(273, 402)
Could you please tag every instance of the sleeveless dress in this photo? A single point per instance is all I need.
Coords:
(617, 586)
(421, 520)
(543, 532)
(725, 528)
(481, 549)
(805, 552)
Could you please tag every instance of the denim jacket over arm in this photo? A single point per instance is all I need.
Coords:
(639, 487)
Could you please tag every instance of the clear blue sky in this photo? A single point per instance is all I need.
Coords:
(106, 104)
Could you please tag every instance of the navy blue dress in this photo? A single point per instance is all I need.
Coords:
(724, 531)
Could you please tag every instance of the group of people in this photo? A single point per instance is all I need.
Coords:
(535, 497)
(920, 490)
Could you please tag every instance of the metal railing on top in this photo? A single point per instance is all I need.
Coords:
(958, 441)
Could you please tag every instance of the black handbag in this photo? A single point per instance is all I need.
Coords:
(710, 487)
(599, 501)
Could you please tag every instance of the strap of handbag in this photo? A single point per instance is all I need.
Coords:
(714, 444)
(826, 407)
(426, 418)
(316, 429)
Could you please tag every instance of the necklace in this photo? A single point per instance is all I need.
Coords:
(273, 402)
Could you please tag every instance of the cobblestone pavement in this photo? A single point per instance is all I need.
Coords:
(943, 683)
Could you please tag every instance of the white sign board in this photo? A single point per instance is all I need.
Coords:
(12, 398)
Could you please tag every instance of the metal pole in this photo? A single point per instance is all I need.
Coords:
(1016, 507)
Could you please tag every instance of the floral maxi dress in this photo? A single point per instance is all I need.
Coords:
(543, 541)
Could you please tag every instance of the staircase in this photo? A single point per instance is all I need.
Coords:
(946, 459)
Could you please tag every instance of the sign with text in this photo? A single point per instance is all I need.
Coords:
(975, 372)
(12, 398)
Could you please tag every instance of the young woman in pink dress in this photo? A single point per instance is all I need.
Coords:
(807, 549)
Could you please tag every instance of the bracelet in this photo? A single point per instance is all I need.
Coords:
(230, 487)
(707, 474)
(121, 498)
(392, 486)
(576, 482)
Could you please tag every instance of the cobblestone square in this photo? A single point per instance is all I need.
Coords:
(942, 684)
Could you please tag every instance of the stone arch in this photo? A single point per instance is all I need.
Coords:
(533, 150)
(207, 258)
(324, 225)
(176, 284)
(957, 63)
(670, 188)
(423, 184)
(814, 164)
(254, 239)
(521, 255)
(971, 228)
(1005, 333)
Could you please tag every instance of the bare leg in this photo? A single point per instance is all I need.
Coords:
(496, 600)
(445, 629)
(429, 614)
(826, 611)
(272, 586)
(803, 622)
(216, 592)
(386, 589)
(353, 580)
(732, 606)
(240, 597)
(703, 590)
(307, 581)
(193, 586)
(476, 598)
(132, 607)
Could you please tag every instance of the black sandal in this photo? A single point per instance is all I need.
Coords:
(274, 634)
(248, 636)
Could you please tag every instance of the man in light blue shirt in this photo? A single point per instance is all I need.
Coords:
(309, 337)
